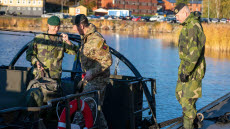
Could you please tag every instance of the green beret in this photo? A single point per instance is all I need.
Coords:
(54, 21)
(179, 7)
(76, 20)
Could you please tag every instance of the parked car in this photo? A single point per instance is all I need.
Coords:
(205, 20)
(47, 15)
(110, 17)
(60, 15)
(223, 20)
(153, 18)
(128, 18)
(228, 20)
(215, 20)
(136, 18)
(94, 17)
(162, 19)
(146, 18)
(156, 18)
(2, 12)
(106, 16)
(171, 19)
(121, 18)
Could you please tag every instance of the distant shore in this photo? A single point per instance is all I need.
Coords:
(217, 35)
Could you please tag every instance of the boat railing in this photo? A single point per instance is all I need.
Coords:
(66, 99)
(142, 81)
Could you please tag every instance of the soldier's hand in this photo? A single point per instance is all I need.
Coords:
(88, 76)
(183, 77)
(39, 66)
(65, 38)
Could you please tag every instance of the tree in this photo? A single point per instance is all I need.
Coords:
(216, 8)
(182, 1)
(90, 4)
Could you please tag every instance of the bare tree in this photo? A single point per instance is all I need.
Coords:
(217, 8)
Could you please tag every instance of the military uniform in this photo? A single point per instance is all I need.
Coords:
(50, 54)
(96, 58)
(192, 66)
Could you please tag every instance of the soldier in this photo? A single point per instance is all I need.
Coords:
(95, 59)
(192, 66)
(46, 53)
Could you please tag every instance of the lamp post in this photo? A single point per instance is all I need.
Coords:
(62, 6)
(208, 11)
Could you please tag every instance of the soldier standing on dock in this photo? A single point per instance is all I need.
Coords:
(192, 66)
(95, 60)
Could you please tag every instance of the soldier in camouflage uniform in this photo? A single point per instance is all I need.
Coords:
(46, 53)
(95, 60)
(192, 66)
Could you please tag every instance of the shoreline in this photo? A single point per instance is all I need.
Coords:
(217, 35)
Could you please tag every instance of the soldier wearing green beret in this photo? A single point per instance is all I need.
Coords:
(95, 59)
(46, 53)
(192, 66)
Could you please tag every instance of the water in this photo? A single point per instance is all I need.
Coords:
(153, 58)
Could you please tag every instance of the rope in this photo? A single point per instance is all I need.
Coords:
(221, 119)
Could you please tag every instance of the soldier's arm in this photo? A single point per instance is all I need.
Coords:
(100, 53)
(31, 53)
(195, 46)
(70, 49)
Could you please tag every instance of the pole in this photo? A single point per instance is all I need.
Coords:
(208, 11)
(62, 6)
(192, 5)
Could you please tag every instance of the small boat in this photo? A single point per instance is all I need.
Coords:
(123, 104)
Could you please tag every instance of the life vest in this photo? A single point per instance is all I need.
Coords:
(85, 109)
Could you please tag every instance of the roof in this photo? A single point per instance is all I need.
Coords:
(77, 6)
(191, 1)
(101, 10)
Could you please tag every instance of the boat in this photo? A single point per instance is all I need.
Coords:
(123, 111)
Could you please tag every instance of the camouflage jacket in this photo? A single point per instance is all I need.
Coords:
(191, 49)
(95, 55)
(50, 53)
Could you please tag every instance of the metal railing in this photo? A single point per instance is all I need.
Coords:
(142, 82)
(67, 100)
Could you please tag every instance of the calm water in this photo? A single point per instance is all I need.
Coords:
(153, 58)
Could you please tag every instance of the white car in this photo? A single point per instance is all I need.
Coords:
(153, 18)
(215, 20)
(156, 18)
(223, 20)
(60, 15)
(47, 15)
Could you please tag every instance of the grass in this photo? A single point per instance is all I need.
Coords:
(217, 37)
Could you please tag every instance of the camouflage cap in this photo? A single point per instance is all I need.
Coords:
(76, 20)
(179, 7)
(54, 21)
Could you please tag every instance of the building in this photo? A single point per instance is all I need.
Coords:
(148, 7)
(194, 5)
(23, 7)
(74, 10)
(105, 4)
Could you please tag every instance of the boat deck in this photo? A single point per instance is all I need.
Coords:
(211, 112)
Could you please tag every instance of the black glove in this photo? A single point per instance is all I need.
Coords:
(183, 77)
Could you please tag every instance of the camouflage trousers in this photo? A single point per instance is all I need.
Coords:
(78, 118)
(187, 94)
